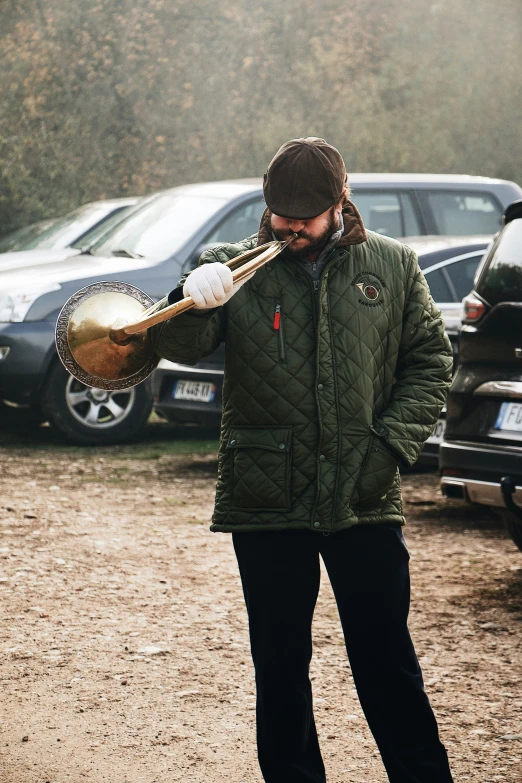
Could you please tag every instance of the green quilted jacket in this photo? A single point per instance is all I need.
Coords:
(325, 391)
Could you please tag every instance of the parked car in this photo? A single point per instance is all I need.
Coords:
(192, 395)
(15, 240)
(481, 455)
(159, 240)
(61, 237)
(150, 248)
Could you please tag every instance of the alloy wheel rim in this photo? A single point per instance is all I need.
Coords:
(98, 408)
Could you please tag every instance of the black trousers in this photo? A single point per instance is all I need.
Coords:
(368, 570)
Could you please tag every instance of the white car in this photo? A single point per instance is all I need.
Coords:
(63, 237)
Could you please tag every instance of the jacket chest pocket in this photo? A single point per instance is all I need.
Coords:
(260, 461)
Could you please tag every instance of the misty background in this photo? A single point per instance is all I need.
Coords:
(106, 98)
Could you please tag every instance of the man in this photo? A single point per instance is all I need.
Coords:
(336, 369)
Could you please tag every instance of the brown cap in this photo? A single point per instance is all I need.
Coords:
(304, 178)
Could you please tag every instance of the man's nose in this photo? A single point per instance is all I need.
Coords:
(296, 225)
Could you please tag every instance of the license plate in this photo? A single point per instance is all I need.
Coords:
(438, 432)
(194, 390)
(510, 417)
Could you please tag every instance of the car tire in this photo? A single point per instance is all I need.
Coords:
(93, 416)
(514, 528)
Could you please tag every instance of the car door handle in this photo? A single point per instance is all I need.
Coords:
(518, 353)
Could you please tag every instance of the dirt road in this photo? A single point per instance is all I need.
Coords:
(124, 646)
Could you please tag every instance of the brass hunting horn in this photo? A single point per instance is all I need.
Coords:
(101, 332)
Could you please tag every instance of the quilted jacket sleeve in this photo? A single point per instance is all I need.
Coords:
(189, 337)
(423, 372)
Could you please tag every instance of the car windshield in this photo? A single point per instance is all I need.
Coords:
(69, 228)
(18, 240)
(100, 230)
(160, 227)
(501, 277)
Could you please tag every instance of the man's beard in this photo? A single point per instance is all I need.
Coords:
(315, 244)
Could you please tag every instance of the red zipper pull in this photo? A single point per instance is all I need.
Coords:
(277, 316)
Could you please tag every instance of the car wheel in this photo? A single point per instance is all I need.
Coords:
(514, 528)
(94, 416)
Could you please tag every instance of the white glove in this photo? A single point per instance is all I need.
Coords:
(211, 285)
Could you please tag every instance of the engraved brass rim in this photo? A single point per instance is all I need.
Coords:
(146, 357)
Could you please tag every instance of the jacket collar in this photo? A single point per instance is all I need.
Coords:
(354, 232)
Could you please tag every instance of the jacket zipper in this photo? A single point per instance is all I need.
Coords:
(278, 326)
(315, 298)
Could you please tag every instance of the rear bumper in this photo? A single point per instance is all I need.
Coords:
(472, 472)
(164, 380)
(487, 493)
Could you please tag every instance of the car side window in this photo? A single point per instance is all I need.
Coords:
(439, 289)
(461, 274)
(387, 212)
(241, 223)
(460, 213)
(501, 277)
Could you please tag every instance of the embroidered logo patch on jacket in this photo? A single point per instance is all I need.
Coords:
(371, 288)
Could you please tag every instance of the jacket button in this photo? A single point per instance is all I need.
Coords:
(320, 386)
(281, 446)
(317, 524)
(322, 458)
(233, 442)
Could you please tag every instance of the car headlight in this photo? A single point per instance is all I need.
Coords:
(15, 304)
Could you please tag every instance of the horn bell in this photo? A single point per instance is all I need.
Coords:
(83, 337)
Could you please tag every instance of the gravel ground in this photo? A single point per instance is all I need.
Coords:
(124, 648)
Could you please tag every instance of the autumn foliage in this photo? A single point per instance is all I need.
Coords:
(101, 98)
